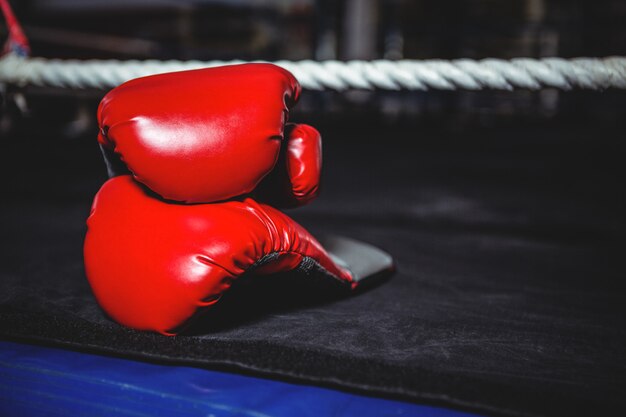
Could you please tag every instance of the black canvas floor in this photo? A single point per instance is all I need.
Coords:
(508, 297)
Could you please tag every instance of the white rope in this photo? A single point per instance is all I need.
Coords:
(525, 73)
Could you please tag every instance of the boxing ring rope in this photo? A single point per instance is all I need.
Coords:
(17, 68)
(466, 74)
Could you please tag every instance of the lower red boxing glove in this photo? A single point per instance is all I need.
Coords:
(153, 265)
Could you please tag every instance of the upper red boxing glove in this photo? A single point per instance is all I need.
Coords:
(211, 134)
(152, 264)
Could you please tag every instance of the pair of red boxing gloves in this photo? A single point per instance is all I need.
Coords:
(198, 162)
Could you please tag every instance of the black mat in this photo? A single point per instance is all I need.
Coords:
(510, 252)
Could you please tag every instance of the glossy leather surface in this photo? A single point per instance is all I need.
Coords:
(202, 135)
(152, 264)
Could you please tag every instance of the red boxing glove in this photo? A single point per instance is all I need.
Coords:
(153, 264)
(211, 134)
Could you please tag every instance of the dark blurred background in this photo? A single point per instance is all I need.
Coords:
(321, 30)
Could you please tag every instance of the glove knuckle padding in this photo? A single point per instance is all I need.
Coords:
(152, 264)
(202, 135)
